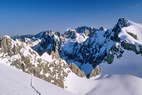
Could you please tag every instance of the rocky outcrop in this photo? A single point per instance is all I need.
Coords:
(70, 33)
(101, 46)
(19, 55)
(95, 72)
(50, 42)
(93, 50)
(75, 69)
(8, 46)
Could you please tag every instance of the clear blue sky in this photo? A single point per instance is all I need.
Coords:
(32, 16)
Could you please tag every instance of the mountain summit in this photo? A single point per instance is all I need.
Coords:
(87, 47)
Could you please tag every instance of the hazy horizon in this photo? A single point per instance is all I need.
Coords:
(33, 16)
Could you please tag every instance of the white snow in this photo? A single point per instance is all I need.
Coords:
(25, 52)
(80, 37)
(15, 82)
(47, 57)
(104, 85)
(77, 85)
(130, 63)
(117, 85)
(15, 57)
(122, 77)
(135, 29)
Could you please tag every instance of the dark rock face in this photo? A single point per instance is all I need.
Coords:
(95, 72)
(101, 45)
(49, 42)
(84, 29)
(0, 42)
(74, 68)
(131, 47)
(92, 50)
(122, 22)
(8, 47)
(70, 34)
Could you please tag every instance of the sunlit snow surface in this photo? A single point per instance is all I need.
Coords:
(15, 82)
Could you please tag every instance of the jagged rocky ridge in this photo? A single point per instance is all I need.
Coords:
(84, 48)
(23, 57)
(101, 45)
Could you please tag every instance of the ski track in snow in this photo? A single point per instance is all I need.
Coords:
(15, 82)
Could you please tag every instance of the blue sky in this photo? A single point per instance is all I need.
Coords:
(32, 16)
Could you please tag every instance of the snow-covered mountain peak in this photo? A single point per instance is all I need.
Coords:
(123, 22)
(19, 55)
(134, 30)
(78, 55)
(87, 45)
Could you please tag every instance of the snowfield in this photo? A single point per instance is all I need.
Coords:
(15, 82)
(130, 64)
(117, 79)
(117, 85)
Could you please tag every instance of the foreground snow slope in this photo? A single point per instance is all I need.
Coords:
(15, 82)
(78, 85)
(105, 85)
(117, 85)
(130, 63)
(122, 77)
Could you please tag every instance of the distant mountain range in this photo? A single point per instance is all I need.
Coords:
(82, 53)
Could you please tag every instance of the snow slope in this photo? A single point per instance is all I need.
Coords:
(78, 85)
(134, 28)
(15, 82)
(117, 85)
(130, 63)
(105, 85)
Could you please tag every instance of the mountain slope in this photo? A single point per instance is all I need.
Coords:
(117, 85)
(130, 63)
(117, 51)
(103, 45)
(88, 47)
(105, 84)
(15, 82)
(19, 55)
